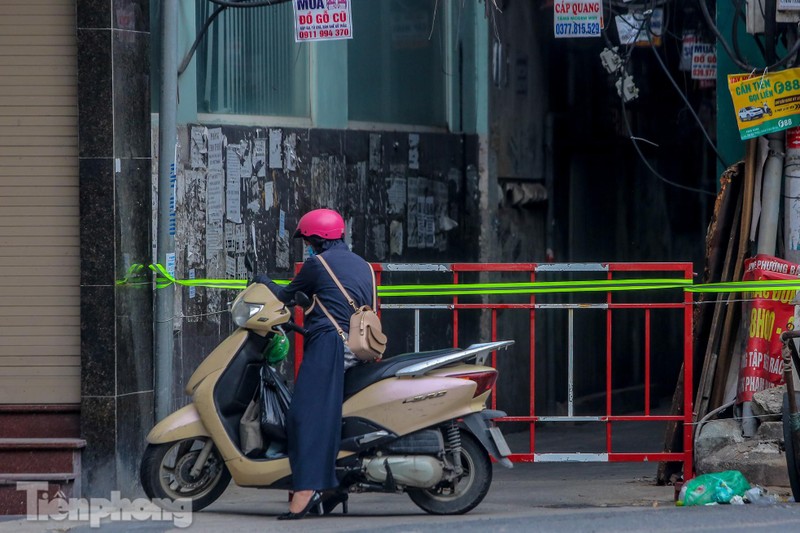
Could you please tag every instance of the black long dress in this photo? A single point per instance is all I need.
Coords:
(315, 416)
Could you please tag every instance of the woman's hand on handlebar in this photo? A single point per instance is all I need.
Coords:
(260, 278)
(291, 326)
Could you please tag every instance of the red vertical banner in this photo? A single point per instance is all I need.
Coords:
(768, 313)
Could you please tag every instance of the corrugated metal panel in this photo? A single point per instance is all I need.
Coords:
(39, 217)
(264, 72)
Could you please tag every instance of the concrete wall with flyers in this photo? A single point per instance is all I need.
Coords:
(405, 197)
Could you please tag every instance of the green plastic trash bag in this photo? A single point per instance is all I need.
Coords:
(277, 349)
(718, 487)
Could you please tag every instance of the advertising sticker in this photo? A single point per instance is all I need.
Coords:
(704, 62)
(687, 50)
(632, 28)
(767, 315)
(577, 18)
(322, 20)
(766, 103)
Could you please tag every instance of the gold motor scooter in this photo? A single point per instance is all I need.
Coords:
(414, 423)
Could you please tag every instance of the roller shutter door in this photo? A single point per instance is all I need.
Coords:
(39, 218)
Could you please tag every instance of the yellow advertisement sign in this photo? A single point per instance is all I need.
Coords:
(765, 103)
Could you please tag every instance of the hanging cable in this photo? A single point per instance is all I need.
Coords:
(737, 16)
(634, 139)
(202, 33)
(222, 5)
(647, 163)
(727, 47)
(683, 96)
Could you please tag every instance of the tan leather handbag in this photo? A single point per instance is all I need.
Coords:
(366, 339)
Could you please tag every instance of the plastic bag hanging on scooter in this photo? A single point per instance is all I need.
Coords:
(275, 400)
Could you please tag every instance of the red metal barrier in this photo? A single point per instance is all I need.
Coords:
(682, 303)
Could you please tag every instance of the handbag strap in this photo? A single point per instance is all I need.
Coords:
(341, 287)
(339, 329)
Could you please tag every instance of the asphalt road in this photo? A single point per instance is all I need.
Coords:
(572, 497)
(531, 497)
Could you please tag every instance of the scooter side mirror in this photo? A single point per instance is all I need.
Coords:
(302, 299)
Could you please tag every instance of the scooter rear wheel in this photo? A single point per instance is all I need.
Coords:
(166, 475)
(468, 491)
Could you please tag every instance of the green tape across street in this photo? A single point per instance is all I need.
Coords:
(135, 275)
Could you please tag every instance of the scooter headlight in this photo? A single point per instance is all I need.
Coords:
(242, 311)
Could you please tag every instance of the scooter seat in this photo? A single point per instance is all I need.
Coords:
(362, 376)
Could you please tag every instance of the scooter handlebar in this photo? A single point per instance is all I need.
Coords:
(790, 334)
(291, 326)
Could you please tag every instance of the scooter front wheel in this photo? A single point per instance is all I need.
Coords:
(166, 475)
(465, 493)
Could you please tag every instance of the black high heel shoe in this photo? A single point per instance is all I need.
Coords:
(314, 502)
(329, 504)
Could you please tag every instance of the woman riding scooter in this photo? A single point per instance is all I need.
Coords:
(315, 416)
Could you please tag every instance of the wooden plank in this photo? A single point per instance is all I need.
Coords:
(38, 90)
(44, 321)
(43, 351)
(44, 252)
(54, 179)
(47, 39)
(66, 192)
(39, 241)
(60, 211)
(43, 122)
(66, 76)
(40, 389)
(34, 100)
(8, 289)
(58, 151)
(37, 50)
(7, 200)
(27, 264)
(60, 19)
(34, 219)
(40, 360)
(733, 310)
(40, 339)
(36, 141)
(65, 69)
(43, 12)
(39, 135)
(67, 370)
(45, 28)
(12, 176)
(33, 334)
(51, 231)
(22, 303)
(42, 160)
(61, 271)
(50, 340)
(39, 258)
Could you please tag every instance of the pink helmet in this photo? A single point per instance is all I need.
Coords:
(325, 223)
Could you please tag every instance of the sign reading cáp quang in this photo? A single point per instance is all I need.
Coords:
(765, 103)
(577, 18)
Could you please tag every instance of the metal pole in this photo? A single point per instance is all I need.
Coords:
(167, 160)
(771, 195)
(767, 232)
(791, 208)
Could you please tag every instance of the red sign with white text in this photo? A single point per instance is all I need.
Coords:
(767, 315)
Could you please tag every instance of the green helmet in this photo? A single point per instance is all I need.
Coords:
(277, 349)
